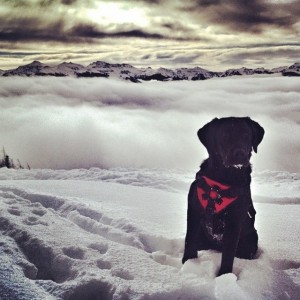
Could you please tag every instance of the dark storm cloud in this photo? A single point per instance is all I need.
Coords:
(178, 59)
(252, 16)
(31, 29)
(164, 55)
(35, 20)
(186, 59)
(43, 3)
(18, 53)
(35, 29)
(246, 15)
(91, 31)
(190, 31)
(147, 2)
(182, 30)
(138, 34)
(176, 26)
(259, 56)
(51, 20)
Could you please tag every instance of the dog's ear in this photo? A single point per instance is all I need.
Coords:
(257, 134)
(205, 134)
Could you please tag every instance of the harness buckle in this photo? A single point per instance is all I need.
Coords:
(214, 194)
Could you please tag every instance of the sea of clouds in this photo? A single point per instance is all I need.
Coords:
(81, 123)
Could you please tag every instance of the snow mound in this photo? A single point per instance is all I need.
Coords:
(276, 187)
(163, 179)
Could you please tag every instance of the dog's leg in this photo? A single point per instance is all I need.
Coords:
(247, 246)
(233, 225)
(231, 238)
(195, 239)
(193, 227)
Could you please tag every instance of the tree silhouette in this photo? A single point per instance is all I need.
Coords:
(6, 161)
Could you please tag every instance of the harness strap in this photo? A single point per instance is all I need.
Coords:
(213, 196)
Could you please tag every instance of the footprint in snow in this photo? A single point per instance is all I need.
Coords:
(102, 248)
(32, 220)
(39, 212)
(165, 259)
(123, 274)
(10, 201)
(74, 252)
(14, 211)
(103, 264)
(285, 264)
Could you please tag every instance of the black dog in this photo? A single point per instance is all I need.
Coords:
(220, 210)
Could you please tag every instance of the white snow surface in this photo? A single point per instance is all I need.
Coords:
(119, 234)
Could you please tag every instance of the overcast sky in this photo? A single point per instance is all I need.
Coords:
(214, 34)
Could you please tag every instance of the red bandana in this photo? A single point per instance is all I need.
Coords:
(216, 188)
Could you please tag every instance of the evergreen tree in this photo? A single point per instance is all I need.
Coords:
(19, 165)
(2, 158)
(6, 161)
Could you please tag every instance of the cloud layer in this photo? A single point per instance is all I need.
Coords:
(142, 32)
(60, 17)
(249, 16)
(72, 123)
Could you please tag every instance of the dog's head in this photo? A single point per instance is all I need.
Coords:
(231, 139)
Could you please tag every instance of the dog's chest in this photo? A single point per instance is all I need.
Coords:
(214, 227)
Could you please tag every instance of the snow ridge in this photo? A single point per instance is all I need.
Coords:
(131, 73)
(267, 185)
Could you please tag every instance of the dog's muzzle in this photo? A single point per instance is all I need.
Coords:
(237, 158)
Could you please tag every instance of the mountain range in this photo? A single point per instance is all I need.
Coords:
(131, 73)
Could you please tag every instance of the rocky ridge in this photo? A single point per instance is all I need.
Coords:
(131, 73)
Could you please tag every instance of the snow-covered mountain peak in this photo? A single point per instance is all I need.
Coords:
(103, 64)
(70, 65)
(99, 64)
(129, 72)
(34, 64)
(295, 65)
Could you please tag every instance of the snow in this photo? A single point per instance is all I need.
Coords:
(119, 234)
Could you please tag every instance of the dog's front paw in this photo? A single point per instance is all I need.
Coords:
(223, 271)
(188, 256)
